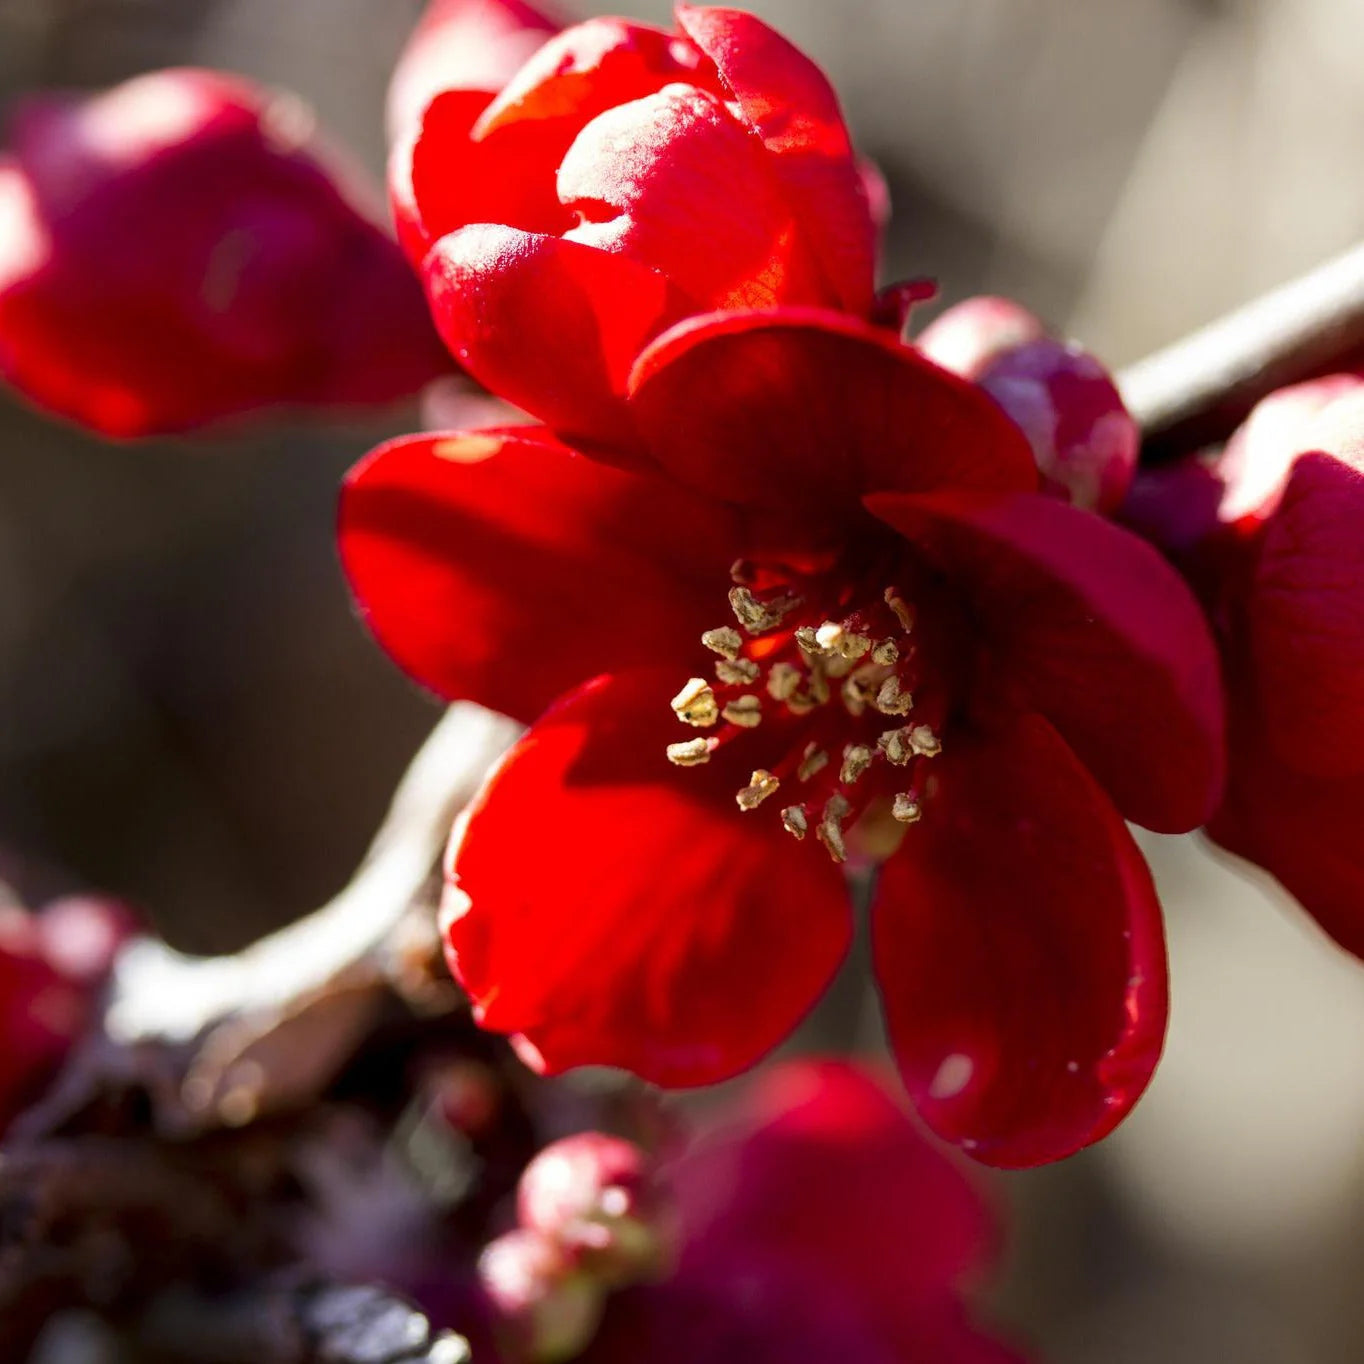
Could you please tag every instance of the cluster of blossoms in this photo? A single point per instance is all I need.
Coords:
(779, 588)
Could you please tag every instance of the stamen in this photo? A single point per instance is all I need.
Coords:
(782, 681)
(895, 744)
(834, 638)
(906, 809)
(695, 704)
(691, 752)
(744, 572)
(886, 652)
(737, 673)
(744, 711)
(830, 831)
(890, 700)
(794, 822)
(856, 759)
(855, 695)
(725, 641)
(758, 617)
(760, 785)
(904, 613)
(813, 760)
(924, 742)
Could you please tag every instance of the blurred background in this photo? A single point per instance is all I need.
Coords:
(189, 716)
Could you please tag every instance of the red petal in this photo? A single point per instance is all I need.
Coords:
(791, 106)
(1096, 631)
(501, 567)
(675, 182)
(823, 1167)
(1302, 828)
(550, 325)
(170, 259)
(1019, 952)
(801, 409)
(1306, 604)
(623, 911)
(463, 45)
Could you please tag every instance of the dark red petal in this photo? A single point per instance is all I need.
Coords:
(623, 911)
(1091, 627)
(675, 182)
(790, 104)
(1301, 827)
(1019, 952)
(501, 567)
(822, 1167)
(1306, 604)
(808, 410)
(174, 255)
(463, 45)
(550, 325)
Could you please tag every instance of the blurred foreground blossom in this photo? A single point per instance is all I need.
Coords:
(815, 1223)
(1269, 533)
(624, 178)
(53, 964)
(177, 251)
(925, 646)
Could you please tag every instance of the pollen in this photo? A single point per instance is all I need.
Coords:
(760, 785)
(856, 759)
(744, 711)
(924, 742)
(691, 752)
(885, 652)
(783, 681)
(830, 831)
(695, 704)
(725, 641)
(835, 638)
(906, 809)
(738, 672)
(890, 700)
(813, 760)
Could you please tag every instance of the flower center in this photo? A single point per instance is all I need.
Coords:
(834, 666)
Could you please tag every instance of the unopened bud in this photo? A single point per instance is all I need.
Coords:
(546, 1304)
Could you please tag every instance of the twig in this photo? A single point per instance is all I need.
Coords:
(1196, 391)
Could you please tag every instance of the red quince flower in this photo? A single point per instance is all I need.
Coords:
(625, 178)
(463, 45)
(917, 642)
(1268, 533)
(177, 251)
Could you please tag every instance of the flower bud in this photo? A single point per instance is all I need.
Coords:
(971, 335)
(596, 1196)
(546, 1304)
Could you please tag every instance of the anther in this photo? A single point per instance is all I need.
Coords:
(783, 679)
(691, 752)
(895, 744)
(760, 785)
(808, 639)
(813, 760)
(794, 822)
(738, 672)
(906, 809)
(695, 703)
(834, 638)
(855, 695)
(904, 613)
(757, 617)
(725, 641)
(886, 652)
(830, 831)
(856, 759)
(890, 700)
(924, 742)
(744, 711)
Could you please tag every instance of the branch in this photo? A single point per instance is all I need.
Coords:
(1198, 390)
